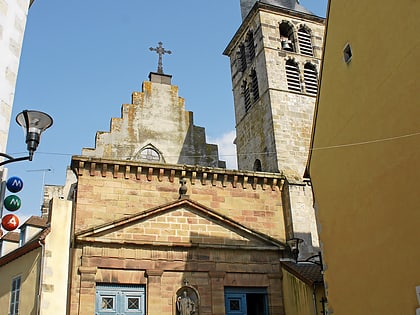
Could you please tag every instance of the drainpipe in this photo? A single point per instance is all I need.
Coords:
(41, 275)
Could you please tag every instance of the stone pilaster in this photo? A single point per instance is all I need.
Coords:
(275, 294)
(154, 294)
(87, 290)
(217, 289)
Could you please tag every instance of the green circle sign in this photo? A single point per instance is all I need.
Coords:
(12, 203)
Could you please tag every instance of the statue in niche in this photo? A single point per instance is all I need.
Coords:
(187, 301)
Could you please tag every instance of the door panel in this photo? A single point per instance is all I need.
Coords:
(235, 304)
(120, 300)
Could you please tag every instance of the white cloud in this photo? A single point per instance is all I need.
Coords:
(227, 150)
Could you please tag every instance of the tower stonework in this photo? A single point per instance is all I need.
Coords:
(275, 57)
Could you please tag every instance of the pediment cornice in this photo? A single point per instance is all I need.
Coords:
(88, 166)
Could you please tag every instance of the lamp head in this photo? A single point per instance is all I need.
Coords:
(33, 123)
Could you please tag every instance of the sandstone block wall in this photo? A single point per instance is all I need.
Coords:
(107, 192)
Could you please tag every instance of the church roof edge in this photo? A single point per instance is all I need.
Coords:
(79, 161)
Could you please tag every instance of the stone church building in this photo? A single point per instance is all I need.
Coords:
(162, 227)
(147, 228)
(159, 226)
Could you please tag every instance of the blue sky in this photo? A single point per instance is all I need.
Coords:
(82, 59)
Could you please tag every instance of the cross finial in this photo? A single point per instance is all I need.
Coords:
(160, 51)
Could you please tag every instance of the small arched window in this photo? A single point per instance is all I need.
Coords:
(305, 41)
(287, 37)
(254, 86)
(293, 76)
(250, 45)
(257, 166)
(149, 155)
(310, 78)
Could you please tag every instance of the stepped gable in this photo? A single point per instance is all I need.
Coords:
(156, 128)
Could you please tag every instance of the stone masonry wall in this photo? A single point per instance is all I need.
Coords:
(110, 191)
(277, 128)
(164, 270)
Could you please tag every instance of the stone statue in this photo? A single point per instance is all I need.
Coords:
(185, 305)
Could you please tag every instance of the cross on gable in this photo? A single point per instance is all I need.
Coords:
(160, 51)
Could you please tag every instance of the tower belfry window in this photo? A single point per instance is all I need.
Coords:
(287, 37)
(247, 96)
(310, 78)
(293, 76)
(254, 86)
(250, 45)
(242, 57)
(305, 42)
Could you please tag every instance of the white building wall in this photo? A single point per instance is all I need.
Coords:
(13, 14)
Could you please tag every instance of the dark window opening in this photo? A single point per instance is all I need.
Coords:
(257, 166)
(348, 53)
(287, 37)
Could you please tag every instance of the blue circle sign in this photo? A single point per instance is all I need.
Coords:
(14, 184)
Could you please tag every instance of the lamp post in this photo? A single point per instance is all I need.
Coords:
(33, 123)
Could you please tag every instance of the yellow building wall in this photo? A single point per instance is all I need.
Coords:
(298, 296)
(26, 266)
(365, 162)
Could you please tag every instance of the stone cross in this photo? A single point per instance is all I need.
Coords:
(160, 51)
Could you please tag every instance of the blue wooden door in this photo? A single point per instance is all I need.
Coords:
(246, 301)
(235, 303)
(120, 300)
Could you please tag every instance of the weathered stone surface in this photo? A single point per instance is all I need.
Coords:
(156, 128)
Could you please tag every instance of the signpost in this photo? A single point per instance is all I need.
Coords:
(12, 203)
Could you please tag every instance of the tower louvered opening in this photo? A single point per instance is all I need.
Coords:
(305, 42)
(254, 86)
(293, 76)
(311, 79)
(247, 96)
(242, 58)
(250, 45)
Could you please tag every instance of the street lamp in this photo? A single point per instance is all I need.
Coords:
(33, 123)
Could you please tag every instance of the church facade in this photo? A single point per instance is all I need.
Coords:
(148, 234)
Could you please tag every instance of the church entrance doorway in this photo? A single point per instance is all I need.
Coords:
(119, 299)
(246, 301)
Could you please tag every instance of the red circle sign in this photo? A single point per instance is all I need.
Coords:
(10, 222)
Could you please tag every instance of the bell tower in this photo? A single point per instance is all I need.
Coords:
(275, 57)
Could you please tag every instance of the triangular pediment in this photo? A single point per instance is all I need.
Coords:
(182, 223)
